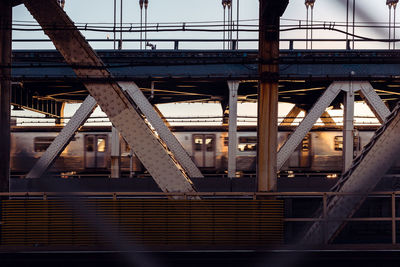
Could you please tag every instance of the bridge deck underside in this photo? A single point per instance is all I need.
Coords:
(201, 75)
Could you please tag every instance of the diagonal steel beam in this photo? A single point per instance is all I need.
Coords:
(159, 162)
(63, 138)
(374, 102)
(368, 168)
(307, 123)
(159, 126)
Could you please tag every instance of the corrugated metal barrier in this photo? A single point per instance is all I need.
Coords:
(93, 222)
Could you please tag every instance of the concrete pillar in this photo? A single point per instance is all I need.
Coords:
(270, 12)
(348, 128)
(291, 116)
(115, 154)
(5, 92)
(232, 133)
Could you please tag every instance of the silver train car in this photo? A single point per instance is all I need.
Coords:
(90, 149)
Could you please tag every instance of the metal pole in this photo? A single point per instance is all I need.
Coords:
(141, 23)
(145, 26)
(354, 19)
(224, 27)
(307, 28)
(120, 24)
(237, 24)
(394, 27)
(390, 25)
(229, 26)
(5, 92)
(312, 19)
(347, 22)
(115, 20)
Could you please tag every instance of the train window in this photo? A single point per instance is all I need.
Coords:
(338, 143)
(247, 147)
(101, 144)
(305, 144)
(198, 143)
(248, 139)
(90, 143)
(40, 144)
(209, 144)
(247, 143)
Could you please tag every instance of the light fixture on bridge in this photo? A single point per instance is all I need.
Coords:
(309, 3)
(390, 4)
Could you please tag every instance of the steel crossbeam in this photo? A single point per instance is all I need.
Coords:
(63, 138)
(162, 130)
(305, 126)
(159, 162)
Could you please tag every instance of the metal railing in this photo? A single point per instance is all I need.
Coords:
(291, 44)
(242, 195)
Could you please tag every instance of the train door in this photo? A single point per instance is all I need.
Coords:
(95, 151)
(301, 157)
(204, 150)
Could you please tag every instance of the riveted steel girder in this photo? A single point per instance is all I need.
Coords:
(305, 126)
(63, 138)
(159, 162)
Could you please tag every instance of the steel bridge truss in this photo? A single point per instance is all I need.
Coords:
(136, 123)
(319, 109)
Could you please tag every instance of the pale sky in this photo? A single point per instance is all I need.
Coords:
(160, 11)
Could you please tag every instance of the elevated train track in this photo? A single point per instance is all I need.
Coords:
(201, 75)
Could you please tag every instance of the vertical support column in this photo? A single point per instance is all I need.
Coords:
(267, 130)
(232, 134)
(348, 128)
(60, 111)
(115, 153)
(5, 92)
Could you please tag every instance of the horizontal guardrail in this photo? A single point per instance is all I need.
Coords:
(292, 44)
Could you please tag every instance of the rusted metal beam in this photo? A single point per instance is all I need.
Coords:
(5, 92)
(270, 12)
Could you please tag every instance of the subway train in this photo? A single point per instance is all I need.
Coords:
(90, 149)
